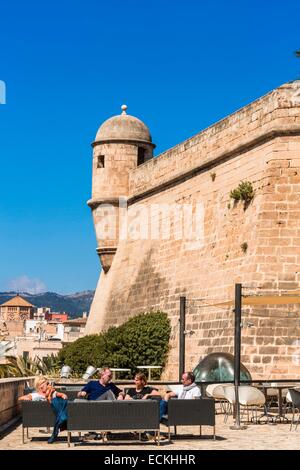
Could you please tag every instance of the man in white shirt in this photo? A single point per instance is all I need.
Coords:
(189, 390)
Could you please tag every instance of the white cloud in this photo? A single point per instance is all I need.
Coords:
(27, 284)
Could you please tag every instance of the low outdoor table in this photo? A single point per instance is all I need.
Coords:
(115, 370)
(276, 386)
(149, 369)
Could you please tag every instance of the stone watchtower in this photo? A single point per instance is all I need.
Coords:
(122, 143)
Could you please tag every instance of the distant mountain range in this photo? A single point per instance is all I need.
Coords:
(73, 304)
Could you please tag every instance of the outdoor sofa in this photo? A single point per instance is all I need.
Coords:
(127, 415)
(39, 414)
(194, 412)
(102, 416)
(36, 414)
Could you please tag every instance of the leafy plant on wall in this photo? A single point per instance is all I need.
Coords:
(244, 192)
(244, 247)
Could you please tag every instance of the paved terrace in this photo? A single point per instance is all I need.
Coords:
(255, 437)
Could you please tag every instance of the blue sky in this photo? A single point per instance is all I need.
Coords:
(69, 65)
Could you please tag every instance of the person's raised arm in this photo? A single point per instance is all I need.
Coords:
(169, 395)
(85, 391)
(61, 395)
(121, 395)
(153, 392)
(25, 397)
(118, 392)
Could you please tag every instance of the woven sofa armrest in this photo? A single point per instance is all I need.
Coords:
(37, 414)
(191, 412)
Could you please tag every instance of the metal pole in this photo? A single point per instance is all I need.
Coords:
(182, 337)
(237, 354)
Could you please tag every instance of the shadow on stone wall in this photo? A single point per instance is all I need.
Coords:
(145, 292)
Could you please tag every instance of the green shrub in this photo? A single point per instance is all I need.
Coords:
(142, 340)
(244, 192)
(22, 367)
(235, 194)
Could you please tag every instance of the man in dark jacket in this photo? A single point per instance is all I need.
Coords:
(103, 389)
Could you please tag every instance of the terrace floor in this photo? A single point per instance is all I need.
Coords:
(255, 437)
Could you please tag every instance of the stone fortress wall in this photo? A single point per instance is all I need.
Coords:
(259, 143)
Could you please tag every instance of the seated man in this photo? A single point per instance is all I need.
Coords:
(104, 389)
(141, 391)
(189, 390)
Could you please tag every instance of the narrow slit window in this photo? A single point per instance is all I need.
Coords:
(100, 161)
(141, 156)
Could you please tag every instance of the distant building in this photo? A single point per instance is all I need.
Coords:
(16, 309)
(40, 313)
(12, 328)
(59, 330)
(74, 329)
(33, 347)
(35, 327)
(58, 317)
(35, 331)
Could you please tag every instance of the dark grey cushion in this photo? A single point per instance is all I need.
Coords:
(191, 412)
(117, 415)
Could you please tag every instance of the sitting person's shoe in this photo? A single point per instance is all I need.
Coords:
(152, 437)
(164, 420)
(102, 436)
(52, 439)
(63, 426)
(90, 435)
(54, 435)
